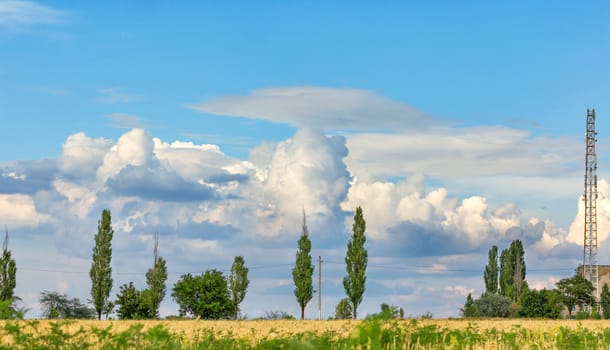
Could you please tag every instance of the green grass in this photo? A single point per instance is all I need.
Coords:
(370, 334)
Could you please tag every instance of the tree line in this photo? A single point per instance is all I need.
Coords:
(507, 293)
(209, 295)
(356, 260)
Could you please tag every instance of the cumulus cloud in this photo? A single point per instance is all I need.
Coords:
(408, 221)
(202, 200)
(327, 108)
(27, 177)
(576, 231)
(18, 210)
(133, 148)
(81, 156)
(157, 184)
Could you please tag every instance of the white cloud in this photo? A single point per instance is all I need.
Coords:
(18, 211)
(576, 231)
(319, 107)
(133, 148)
(19, 13)
(81, 155)
(461, 153)
(81, 198)
(255, 211)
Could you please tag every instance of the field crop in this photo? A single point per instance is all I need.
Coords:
(290, 334)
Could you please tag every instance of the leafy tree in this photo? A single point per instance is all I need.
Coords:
(8, 272)
(491, 271)
(469, 309)
(493, 305)
(133, 304)
(604, 300)
(205, 296)
(155, 280)
(343, 310)
(8, 310)
(101, 271)
(238, 283)
(303, 270)
(387, 312)
(575, 291)
(58, 305)
(540, 304)
(512, 271)
(356, 260)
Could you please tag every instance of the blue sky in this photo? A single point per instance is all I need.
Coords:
(454, 125)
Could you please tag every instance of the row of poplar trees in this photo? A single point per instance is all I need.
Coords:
(207, 296)
(509, 278)
(356, 260)
(132, 303)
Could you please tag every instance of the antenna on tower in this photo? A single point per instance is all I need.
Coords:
(589, 263)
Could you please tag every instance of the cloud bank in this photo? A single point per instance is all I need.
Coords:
(209, 206)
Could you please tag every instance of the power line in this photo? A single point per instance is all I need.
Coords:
(436, 269)
(275, 266)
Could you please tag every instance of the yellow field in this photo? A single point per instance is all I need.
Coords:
(532, 334)
(270, 329)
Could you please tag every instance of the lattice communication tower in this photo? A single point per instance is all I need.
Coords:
(590, 198)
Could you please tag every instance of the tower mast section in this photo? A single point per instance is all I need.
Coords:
(590, 271)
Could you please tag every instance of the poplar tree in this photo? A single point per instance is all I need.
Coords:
(518, 261)
(302, 274)
(356, 260)
(238, 283)
(8, 272)
(155, 279)
(491, 271)
(101, 271)
(506, 274)
(513, 271)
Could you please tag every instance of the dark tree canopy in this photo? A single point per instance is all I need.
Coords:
(58, 305)
(469, 309)
(101, 271)
(238, 283)
(205, 296)
(302, 274)
(356, 260)
(343, 310)
(576, 291)
(133, 304)
(493, 305)
(540, 304)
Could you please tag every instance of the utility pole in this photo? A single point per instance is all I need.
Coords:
(319, 288)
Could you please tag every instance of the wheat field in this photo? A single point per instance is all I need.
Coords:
(308, 334)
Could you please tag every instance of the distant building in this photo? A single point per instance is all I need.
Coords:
(603, 275)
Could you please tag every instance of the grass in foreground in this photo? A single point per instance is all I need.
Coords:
(370, 334)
